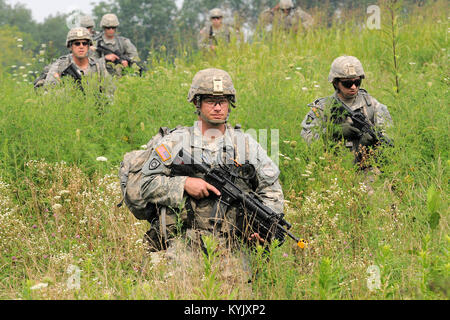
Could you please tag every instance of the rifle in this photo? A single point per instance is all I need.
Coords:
(360, 122)
(73, 72)
(102, 50)
(263, 220)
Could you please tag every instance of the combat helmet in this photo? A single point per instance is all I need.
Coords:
(109, 20)
(346, 67)
(212, 82)
(87, 22)
(286, 4)
(78, 33)
(216, 12)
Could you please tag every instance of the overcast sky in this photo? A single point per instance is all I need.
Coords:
(43, 8)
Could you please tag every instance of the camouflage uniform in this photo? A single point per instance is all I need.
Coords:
(119, 44)
(96, 66)
(289, 22)
(210, 36)
(56, 69)
(160, 188)
(316, 121)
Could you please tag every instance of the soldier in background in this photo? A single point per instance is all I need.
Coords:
(88, 23)
(287, 16)
(78, 42)
(120, 53)
(215, 31)
(328, 118)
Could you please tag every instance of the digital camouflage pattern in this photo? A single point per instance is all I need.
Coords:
(87, 22)
(162, 189)
(109, 20)
(346, 67)
(212, 36)
(212, 82)
(79, 33)
(271, 17)
(96, 67)
(118, 44)
(315, 122)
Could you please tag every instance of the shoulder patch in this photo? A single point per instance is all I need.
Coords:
(163, 153)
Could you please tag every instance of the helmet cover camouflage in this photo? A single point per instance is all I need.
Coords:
(87, 22)
(78, 33)
(212, 82)
(346, 67)
(216, 12)
(286, 4)
(109, 20)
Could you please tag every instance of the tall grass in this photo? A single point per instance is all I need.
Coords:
(58, 203)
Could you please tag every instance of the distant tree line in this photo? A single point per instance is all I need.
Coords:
(154, 24)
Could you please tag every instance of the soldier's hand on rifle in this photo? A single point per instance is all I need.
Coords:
(125, 63)
(349, 132)
(199, 188)
(111, 57)
(256, 237)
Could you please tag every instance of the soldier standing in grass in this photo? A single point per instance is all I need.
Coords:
(287, 16)
(125, 49)
(215, 31)
(81, 64)
(330, 116)
(215, 142)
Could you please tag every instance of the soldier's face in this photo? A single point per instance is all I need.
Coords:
(110, 31)
(349, 87)
(80, 48)
(215, 108)
(216, 21)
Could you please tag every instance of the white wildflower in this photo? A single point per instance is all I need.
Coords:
(305, 89)
(56, 207)
(39, 286)
(144, 147)
(102, 159)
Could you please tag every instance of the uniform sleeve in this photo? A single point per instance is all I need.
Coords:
(269, 187)
(305, 18)
(54, 73)
(312, 124)
(157, 186)
(203, 38)
(131, 51)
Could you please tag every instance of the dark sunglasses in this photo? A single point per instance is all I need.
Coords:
(349, 83)
(111, 28)
(79, 43)
(216, 18)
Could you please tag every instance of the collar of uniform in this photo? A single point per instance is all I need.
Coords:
(198, 141)
(357, 102)
(109, 41)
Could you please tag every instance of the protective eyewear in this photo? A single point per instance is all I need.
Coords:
(349, 83)
(79, 43)
(211, 102)
(216, 18)
(114, 28)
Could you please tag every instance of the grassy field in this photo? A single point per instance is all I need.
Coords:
(58, 215)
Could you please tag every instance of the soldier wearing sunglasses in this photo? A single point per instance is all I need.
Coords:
(78, 42)
(215, 31)
(125, 50)
(329, 116)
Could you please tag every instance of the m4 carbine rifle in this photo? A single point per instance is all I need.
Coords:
(360, 122)
(260, 218)
(72, 71)
(102, 50)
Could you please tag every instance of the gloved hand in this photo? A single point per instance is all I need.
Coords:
(367, 140)
(349, 132)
